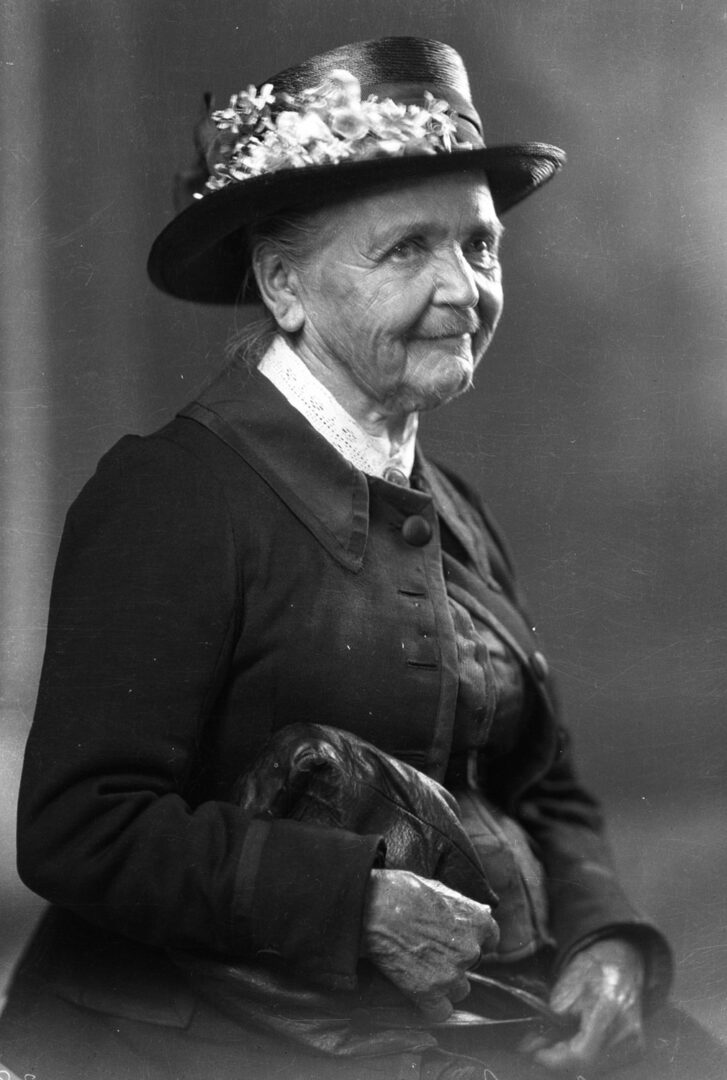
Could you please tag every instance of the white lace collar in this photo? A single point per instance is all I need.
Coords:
(369, 453)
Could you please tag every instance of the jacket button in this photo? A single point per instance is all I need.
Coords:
(416, 531)
(540, 666)
(396, 476)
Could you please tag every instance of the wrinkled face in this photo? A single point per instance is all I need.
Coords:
(403, 289)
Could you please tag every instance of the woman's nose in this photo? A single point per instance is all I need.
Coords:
(455, 280)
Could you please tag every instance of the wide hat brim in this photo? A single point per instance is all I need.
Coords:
(200, 254)
(203, 254)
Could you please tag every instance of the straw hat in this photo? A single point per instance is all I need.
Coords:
(367, 114)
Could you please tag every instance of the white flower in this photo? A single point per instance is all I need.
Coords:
(288, 123)
(387, 109)
(303, 128)
(265, 97)
(326, 124)
(340, 90)
(349, 123)
(389, 147)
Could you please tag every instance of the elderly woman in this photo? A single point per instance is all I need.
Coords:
(282, 554)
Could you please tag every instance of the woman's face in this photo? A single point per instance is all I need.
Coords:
(403, 290)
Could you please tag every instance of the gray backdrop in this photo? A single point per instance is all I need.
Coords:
(598, 426)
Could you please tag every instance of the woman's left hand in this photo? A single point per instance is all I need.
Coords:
(600, 986)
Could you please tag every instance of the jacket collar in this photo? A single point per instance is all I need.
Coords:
(305, 392)
(327, 494)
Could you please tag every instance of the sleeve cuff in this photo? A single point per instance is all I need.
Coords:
(300, 895)
(655, 952)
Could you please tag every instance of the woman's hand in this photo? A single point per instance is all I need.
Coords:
(601, 986)
(424, 936)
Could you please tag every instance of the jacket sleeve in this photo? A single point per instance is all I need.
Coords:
(146, 607)
(586, 899)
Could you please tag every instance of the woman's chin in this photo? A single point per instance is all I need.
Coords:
(442, 394)
(444, 384)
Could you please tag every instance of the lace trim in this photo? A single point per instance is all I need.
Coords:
(298, 385)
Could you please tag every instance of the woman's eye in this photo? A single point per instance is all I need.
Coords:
(404, 250)
(484, 250)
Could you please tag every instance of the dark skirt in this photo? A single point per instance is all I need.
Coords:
(46, 1037)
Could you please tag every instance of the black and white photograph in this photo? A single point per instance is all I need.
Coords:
(363, 575)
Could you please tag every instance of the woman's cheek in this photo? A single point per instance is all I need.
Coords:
(491, 299)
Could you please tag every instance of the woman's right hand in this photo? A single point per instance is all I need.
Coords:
(424, 937)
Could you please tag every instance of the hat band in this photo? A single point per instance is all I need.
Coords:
(263, 132)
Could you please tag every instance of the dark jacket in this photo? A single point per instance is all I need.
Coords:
(218, 580)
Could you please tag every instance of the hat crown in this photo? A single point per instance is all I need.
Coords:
(383, 61)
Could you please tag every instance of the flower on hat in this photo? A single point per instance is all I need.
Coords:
(245, 108)
(325, 124)
(341, 89)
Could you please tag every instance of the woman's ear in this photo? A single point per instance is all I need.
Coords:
(278, 285)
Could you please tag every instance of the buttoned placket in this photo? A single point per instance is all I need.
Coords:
(412, 516)
(331, 498)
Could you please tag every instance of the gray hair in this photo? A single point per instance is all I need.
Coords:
(292, 234)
